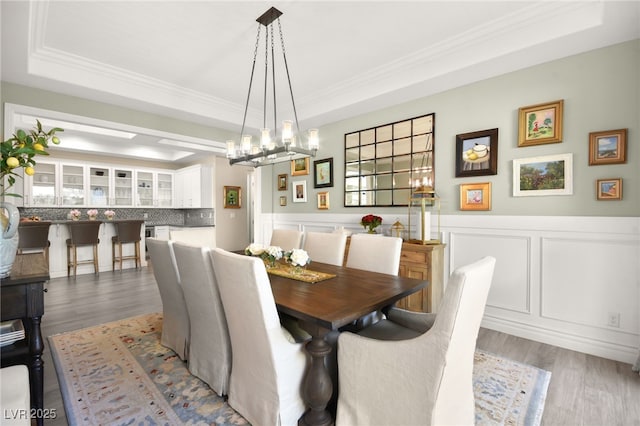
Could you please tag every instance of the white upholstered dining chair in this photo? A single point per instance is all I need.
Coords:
(210, 348)
(286, 239)
(325, 247)
(376, 253)
(268, 367)
(175, 319)
(432, 353)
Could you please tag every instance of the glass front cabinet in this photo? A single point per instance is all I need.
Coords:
(154, 189)
(56, 184)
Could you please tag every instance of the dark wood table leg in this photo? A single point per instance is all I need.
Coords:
(36, 369)
(317, 387)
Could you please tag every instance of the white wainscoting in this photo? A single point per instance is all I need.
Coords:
(558, 279)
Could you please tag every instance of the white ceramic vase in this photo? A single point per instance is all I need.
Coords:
(9, 240)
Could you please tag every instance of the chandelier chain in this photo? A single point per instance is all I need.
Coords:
(286, 67)
(253, 68)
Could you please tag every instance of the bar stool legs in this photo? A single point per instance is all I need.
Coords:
(117, 256)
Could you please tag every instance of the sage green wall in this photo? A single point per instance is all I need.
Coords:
(601, 91)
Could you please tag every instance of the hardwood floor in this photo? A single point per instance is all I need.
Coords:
(584, 389)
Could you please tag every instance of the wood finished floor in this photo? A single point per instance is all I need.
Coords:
(584, 389)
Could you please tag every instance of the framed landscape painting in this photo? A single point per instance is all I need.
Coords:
(547, 175)
(609, 189)
(608, 147)
(540, 124)
(300, 166)
(323, 173)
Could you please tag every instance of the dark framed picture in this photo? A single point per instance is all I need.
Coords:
(232, 197)
(323, 200)
(540, 124)
(609, 189)
(323, 173)
(608, 147)
(475, 196)
(283, 200)
(299, 191)
(546, 175)
(282, 182)
(477, 153)
(300, 166)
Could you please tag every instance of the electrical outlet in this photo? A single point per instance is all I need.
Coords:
(145, 215)
(614, 319)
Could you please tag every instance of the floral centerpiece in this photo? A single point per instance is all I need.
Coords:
(109, 214)
(298, 259)
(271, 254)
(372, 222)
(92, 213)
(74, 214)
(254, 249)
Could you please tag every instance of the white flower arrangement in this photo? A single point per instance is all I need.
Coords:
(274, 252)
(298, 257)
(74, 214)
(92, 213)
(254, 249)
(109, 214)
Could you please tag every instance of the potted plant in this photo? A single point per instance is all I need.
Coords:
(371, 222)
(18, 152)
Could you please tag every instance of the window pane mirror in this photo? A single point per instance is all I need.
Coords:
(383, 161)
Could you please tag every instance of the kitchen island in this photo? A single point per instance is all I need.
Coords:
(58, 234)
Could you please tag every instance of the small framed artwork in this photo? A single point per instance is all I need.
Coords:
(547, 175)
(477, 153)
(609, 189)
(323, 200)
(282, 182)
(283, 200)
(475, 196)
(300, 166)
(299, 189)
(540, 124)
(323, 173)
(232, 197)
(608, 147)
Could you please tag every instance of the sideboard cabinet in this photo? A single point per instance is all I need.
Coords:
(423, 262)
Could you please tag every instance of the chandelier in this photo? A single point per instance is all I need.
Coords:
(287, 144)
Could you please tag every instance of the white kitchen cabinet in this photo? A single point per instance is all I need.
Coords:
(162, 232)
(55, 185)
(194, 187)
(154, 189)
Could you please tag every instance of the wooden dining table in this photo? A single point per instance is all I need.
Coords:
(328, 305)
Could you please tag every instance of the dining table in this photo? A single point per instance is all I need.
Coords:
(340, 298)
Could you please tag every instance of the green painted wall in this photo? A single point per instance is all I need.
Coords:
(601, 91)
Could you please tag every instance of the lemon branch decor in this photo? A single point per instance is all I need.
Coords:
(19, 152)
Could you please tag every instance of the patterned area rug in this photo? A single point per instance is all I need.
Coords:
(119, 374)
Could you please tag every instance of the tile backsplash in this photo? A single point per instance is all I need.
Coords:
(188, 217)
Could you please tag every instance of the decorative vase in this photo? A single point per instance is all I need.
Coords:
(297, 269)
(9, 240)
(92, 217)
(75, 218)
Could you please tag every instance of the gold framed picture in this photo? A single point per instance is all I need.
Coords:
(232, 197)
(609, 189)
(540, 124)
(283, 200)
(475, 196)
(323, 200)
(608, 147)
(300, 166)
(282, 182)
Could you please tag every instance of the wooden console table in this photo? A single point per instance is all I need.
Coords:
(22, 297)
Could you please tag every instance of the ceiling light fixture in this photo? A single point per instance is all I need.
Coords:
(287, 145)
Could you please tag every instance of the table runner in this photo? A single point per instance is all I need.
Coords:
(304, 275)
